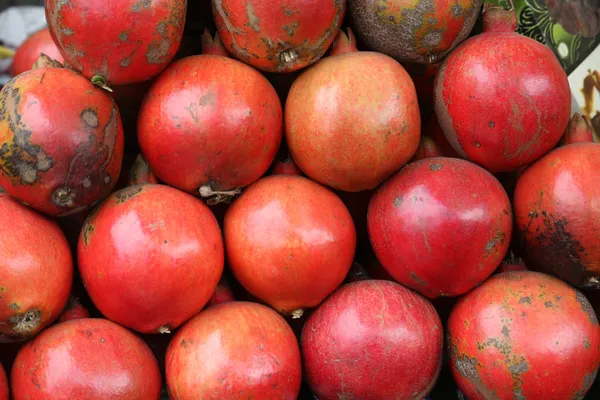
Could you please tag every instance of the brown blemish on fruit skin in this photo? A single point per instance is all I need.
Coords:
(26, 324)
(586, 307)
(417, 279)
(125, 194)
(467, 368)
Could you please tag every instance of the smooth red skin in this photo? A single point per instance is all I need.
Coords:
(85, 158)
(372, 340)
(257, 32)
(556, 212)
(290, 242)
(210, 120)
(540, 325)
(30, 50)
(434, 130)
(440, 226)
(36, 268)
(3, 384)
(428, 148)
(86, 359)
(151, 256)
(236, 350)
(352, 120)
(135, 44)
(502, 100)
(286, 167)
(222, 294)
(74, 310)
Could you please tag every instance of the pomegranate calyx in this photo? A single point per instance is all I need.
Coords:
(213, 45)
(215, 196)
(344, 43)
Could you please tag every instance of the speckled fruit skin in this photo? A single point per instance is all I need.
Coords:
(61, 141)
(210, 120)
(352, 120)
(172, 247)
(280, 36)
(29, 51)
(419, 31)
(524, 335)
(440, 225)
(123, 42)
(557, 213)
(237, 350)
(36, 271)
(86, 359)
(3, 384)
(502, 100)
(290, 241)
(372, 340)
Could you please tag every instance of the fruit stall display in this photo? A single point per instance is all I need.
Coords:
(312, 199)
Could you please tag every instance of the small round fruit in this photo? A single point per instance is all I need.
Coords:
(86, 359)
(524, 335)
(373, 340)
(29, 51)
(235, 350)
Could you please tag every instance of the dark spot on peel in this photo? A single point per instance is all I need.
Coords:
(524, 300)
(435, 167)
(586, 307)
(125, 194)
(14, 306)
(398, 201)
(491, 124)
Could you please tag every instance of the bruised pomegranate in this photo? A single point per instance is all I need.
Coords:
(280, 36)
(556, 213)
(524, 335)
(61, 141)
(502, 100)
(210, 125)
(440, 226)
(29, 51)
(3, 384)
(222, 294)
(233, 351)
(373, 340)
(420, 31)
(172, 247)
(36, 271)
(73, 310)
(120, 42)
(290, 242)
(86, 359)
(352, 120)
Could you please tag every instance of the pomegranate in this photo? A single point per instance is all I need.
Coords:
(497, 18)
(29, 51)
(73, 310)
(222, 294)
(281, 36)
(61, 141)
(502, 100)
(579, 130)
(372, 340)
(36, 271)
(414, 30)
(172, 247)
(428, 148)
(556, 213)
(440, 226)
(524, 335)
(290, 242)
(286, 167)
(3, 384)
(117, 42)
(86, 359)
(233, 351)
(141, 173)
(210, 125)
(352, 120)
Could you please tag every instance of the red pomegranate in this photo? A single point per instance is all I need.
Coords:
(281, 36)
(36, 271)
(171, 246)
(3, 384)
(502, 100)
(120, 42)
(440, 226)
(428, 148)
(290, 242)
(210, 125)
(352, 120)
(524, 335)
(579, 130)
(556, 213)
(222, 294)
(73, 310)
(498, 18)
(86, 359)
(61, 141)
(141, 173)
(372, 340)
(29, 51)
(232, 351)
(286, 167)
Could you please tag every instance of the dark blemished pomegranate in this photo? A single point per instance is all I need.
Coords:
(353, 119)
(524, 335)
(86, 359)
(36, 271)
(4, 392)
(372, 340)
(290, 242)
(121, 42)
(440, 225)
(556, 213)
(29, 51)
(172, 247)
(236, 350)
(73, 310)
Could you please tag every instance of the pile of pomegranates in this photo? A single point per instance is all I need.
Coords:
(411, 213)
